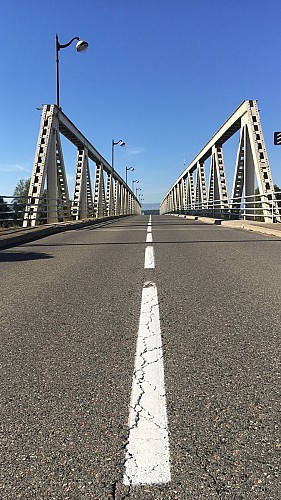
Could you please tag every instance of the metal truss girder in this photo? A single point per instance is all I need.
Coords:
(200, 192)
(251, 163)
(64, 201)
(109, 195)
(260, 161)
(190, 190)
(238, 183)
(184, 194)
(48, 164)
(217, 180)
(82, 195)
(117, 201)
(39, 171)
(99, 194)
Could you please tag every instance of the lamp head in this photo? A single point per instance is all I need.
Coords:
(122, 143)
(81, 46)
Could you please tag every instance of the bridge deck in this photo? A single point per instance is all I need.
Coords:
(70, 316)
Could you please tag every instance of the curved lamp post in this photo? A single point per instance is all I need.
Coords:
(128, 168)
(138, 189)
(133, 184)
(121, 143)
(81, 46)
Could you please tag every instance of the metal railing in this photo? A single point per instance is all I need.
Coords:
(259, 207)
(14, 209)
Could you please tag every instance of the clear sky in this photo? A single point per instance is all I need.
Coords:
(163, 75)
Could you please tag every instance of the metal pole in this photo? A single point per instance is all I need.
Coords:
(112, 155)
(57, 72)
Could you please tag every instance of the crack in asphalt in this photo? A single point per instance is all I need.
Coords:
(140, 376)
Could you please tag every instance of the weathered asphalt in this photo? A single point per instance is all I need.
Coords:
(69, 319)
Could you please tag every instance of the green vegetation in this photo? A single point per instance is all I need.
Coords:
(20, 198)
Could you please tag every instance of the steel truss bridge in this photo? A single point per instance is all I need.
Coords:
(189, 193)
(108, 198)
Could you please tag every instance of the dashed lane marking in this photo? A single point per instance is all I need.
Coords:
(147, 451)
(149, 261)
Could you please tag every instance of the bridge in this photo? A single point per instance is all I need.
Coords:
(140, 354)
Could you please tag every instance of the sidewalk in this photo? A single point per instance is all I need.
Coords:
(257, 227)
(18, 236)
(10, 237)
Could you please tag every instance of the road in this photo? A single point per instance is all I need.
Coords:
(70, 313)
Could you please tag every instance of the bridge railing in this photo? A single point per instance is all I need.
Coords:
(247, 208)
(252, 170)
(18, 211)
(109, 195)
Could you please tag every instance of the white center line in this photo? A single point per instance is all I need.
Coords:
(149, 261)
(149, 238)
(147, 451)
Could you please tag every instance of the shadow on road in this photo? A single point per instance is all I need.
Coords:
(22, 256)
(128, 243)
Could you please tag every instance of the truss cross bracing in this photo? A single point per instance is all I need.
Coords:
(252, 171)
(49, 180)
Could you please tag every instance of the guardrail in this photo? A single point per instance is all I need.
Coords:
(17, 211)
(258, 207)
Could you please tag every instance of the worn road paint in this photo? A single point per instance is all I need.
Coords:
(147, 451)
(149, 261)
(149, 238)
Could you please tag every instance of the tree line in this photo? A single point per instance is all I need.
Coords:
(12, 214)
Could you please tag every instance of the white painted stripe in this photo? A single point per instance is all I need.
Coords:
(149, 222)
(147, 451)
(149, 229)
(149, 238)
(149, 261)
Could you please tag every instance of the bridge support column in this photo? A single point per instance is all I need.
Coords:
(109, 196)
(82, 205)
(99, 194)
(48, 164)
(117, 201)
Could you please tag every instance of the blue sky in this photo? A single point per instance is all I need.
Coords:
(162, 75)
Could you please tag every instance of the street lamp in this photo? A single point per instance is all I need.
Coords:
(128, 168)
(138, 189)
(122, 144)
(133, 184)
(81, 46)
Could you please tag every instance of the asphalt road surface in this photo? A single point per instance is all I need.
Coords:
(70, 316)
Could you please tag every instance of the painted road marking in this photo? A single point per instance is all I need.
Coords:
(149, 261)
(149, 238)
(147, 451)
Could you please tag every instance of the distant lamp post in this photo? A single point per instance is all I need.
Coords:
(122, 144)
(138, 189)
(133, 184)
(81, 46)
(127, 169)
